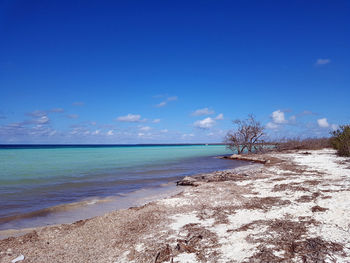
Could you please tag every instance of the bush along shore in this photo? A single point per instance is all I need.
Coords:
(285, 207)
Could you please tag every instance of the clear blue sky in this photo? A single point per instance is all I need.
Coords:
(171, 71)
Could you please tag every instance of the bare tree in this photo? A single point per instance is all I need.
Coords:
(247, 136)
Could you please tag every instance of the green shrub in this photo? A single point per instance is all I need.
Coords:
(341, 140)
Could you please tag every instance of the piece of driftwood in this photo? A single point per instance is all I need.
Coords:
(188, 181)
(248, 158)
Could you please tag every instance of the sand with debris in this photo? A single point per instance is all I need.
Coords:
(293, 208)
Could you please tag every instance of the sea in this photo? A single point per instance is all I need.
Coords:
(53, 184)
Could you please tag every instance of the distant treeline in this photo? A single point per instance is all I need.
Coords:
(301, 144)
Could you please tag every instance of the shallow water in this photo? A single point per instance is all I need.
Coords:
(38, 181)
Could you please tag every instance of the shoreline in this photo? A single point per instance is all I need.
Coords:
(68, 213)
(85, 209)
(283, 210)
(52, 212)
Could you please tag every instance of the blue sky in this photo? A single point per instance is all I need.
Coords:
(171, 71)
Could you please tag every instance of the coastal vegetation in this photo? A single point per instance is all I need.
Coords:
(286, 144)
(341, 140)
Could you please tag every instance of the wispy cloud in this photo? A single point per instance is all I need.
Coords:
(187, 135)
(219, 117)
(322, 61)
(37, 113)
(35, 128)
(201, 112)
(37, 117)
(145, 128)
(41, 120)
(162, 104)
(156, 121)
(166, 101)
(130, 118)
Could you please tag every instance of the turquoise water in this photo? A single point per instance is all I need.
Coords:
(35, 178)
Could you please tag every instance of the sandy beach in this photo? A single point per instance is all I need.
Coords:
(287, 207)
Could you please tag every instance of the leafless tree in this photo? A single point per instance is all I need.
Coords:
(247, 136)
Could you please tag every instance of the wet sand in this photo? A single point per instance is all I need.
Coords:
(84, 209)
(293, 208)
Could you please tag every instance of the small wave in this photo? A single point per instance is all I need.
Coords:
(53, 209)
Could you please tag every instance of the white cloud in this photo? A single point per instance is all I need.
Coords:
(110, 133)
(219, 117)
(206, 123)
(323, 123)
(156, 121)
(322, 61)
(96, 132)
(293, 118)
(271, 126)
(164, 130)
(334, 127)
(140, 134)
(278, 117)
(130, 118)
(145, 128)
(204, 111)
(42, 120)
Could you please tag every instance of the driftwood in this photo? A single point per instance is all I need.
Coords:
(248, 158)
(188, 181)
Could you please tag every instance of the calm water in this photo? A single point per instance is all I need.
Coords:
(36, 178)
